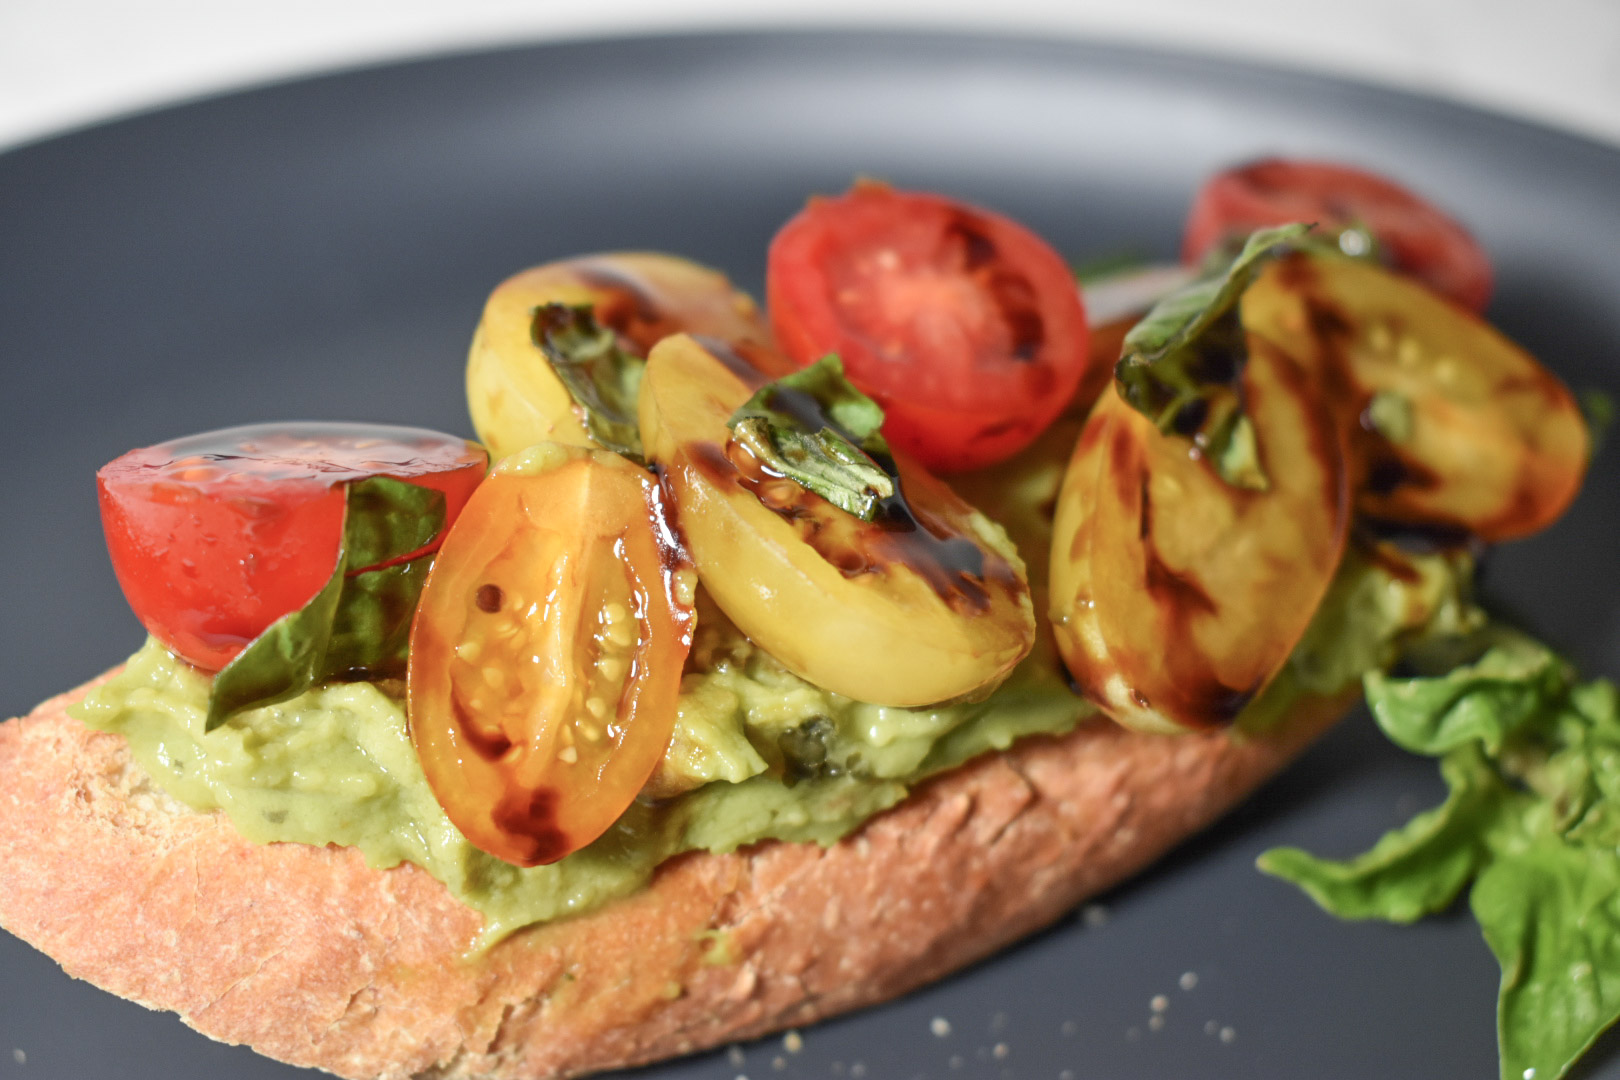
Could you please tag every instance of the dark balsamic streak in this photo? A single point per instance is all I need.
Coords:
(1427, 537)
(735, 358)
(631, 294)
(490, 747)
(954, 567)
(532, 816)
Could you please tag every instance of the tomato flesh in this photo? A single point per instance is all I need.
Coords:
(890, 614)
(547, 651)
(215, 536)
(965, 326)
(1416, 237)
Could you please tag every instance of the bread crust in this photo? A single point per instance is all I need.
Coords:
(311, 957)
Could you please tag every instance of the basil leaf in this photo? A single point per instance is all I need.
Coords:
(1107, 267)
(282, 662)
(1181, 364)
(817, 430)
(1532, 760)
(1353, 241)
(1550, 911)
(371, 629)
(386, 519)
(1512, 684)
(358, 625)
(603, 379)
(1412, 871)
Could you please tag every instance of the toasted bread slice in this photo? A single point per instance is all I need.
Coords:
(310, 956)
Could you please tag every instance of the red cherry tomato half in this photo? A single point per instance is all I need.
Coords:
(964, 325)
(215, 536)
(1417, 237)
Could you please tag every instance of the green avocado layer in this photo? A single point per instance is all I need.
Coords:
(758, 754)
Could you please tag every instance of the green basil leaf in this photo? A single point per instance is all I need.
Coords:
(1353, 241)
(1550, 911)
(358, 625)
(1181, 364)
(603, 379)
(1532, 761)
(371, 629)
(1581, 778)
(1107, 267)
(1515, 682)
(816, 429)
(387, 519)
(1412, 871)
(282, 662)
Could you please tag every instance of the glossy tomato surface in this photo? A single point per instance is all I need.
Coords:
(215, 536)
(909, 611)
(965, 326)
(547, 652)
(1414, 236)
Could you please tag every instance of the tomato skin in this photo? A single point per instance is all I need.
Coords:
(965, 326)
(1494, 446)
(1176, 597)
(215, 536)
(547, 652)
(515, 397)
(1417, 237)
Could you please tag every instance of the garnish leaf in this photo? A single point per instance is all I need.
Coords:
(371, 629)
(603, 379)
(386, 519)
(1181, 364)
(1412, 871)
(1513, 683)
(1551, 913)
(1532, 761)
(283, 661)
(1107, 267)
(816, 429)
(358, 625)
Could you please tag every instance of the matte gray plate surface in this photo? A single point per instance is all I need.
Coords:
(321, 250)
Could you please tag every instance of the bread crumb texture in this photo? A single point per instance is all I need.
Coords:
(312, 957)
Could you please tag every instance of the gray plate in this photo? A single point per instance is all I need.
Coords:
(321, 249)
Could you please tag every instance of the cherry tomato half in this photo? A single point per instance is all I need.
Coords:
(216, 536)
(1416, 237)
(1176, 597)
(964, 325)
(546, 655)
(517, 399)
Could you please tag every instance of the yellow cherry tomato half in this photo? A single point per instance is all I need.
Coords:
(1175, 596)
(1453, 424)
(547, 651)
(881, 612)
(515, 397)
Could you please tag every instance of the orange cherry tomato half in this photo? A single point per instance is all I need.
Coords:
(1416, 237)
(216, 536)
(965, 326)
(546, 655)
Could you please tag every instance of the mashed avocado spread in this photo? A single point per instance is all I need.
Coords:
(758, 753)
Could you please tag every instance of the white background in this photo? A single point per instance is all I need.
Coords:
(64, 63)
